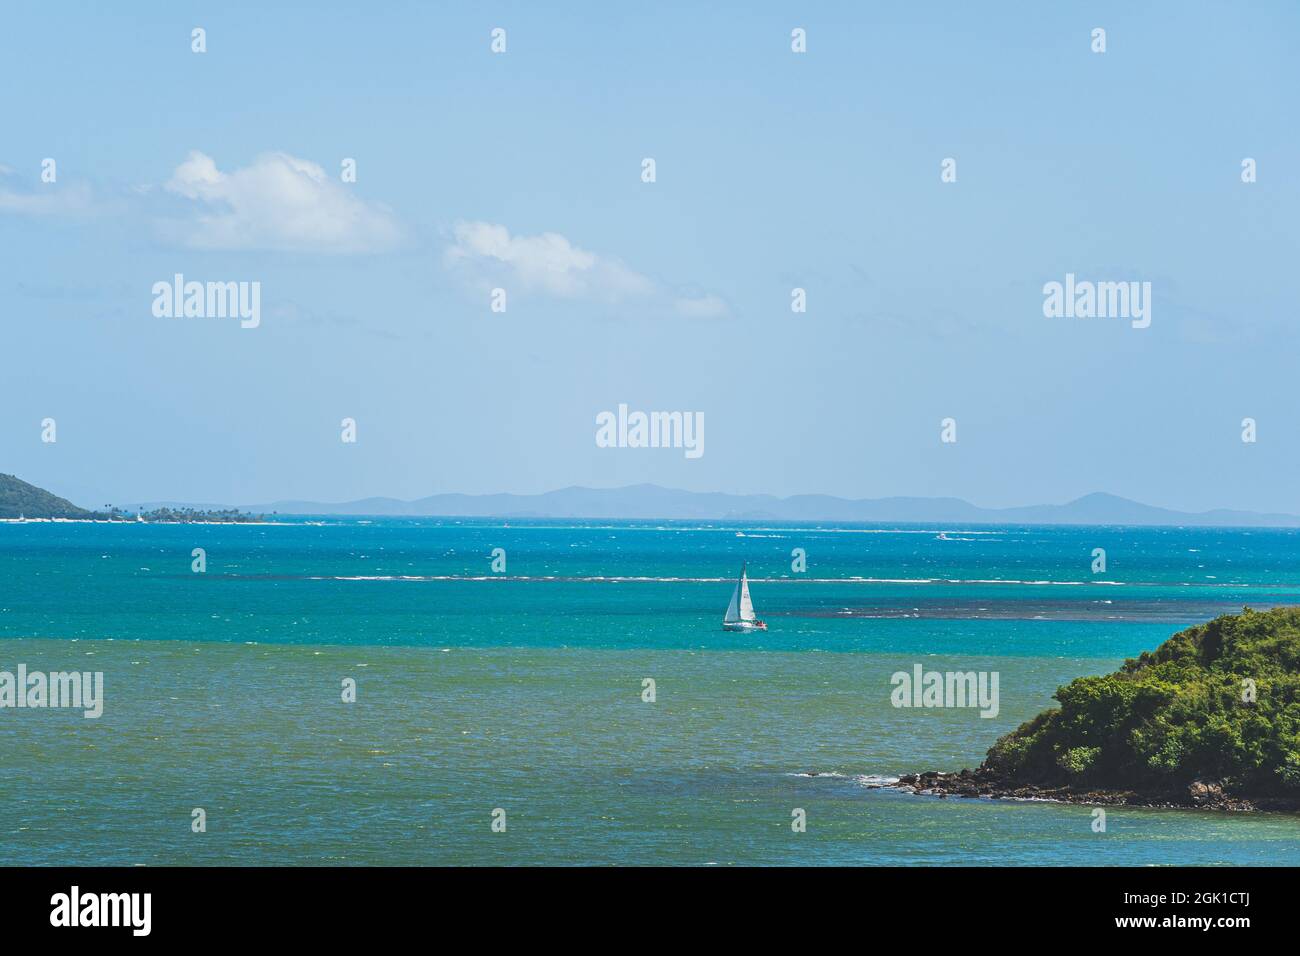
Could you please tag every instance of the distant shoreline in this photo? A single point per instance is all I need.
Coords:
(655, 503)
(133, 521)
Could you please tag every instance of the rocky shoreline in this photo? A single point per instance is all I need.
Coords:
(984, 783)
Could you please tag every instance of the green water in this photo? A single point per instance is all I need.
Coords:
(223, 691)
(561, 740)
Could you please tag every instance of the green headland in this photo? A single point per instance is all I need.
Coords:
(1210, 718)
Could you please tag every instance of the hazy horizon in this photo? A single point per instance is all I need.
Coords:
(642, 501)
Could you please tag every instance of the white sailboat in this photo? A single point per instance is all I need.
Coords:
(740, 612)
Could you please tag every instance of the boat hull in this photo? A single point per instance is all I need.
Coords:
(744, 626)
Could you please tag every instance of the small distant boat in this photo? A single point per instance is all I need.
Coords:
(740, 612)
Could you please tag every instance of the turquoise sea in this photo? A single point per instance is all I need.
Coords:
(523, 691)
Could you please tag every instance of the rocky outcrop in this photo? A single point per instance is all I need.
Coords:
(986, 784)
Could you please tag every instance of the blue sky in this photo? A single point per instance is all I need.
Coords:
(774, 170)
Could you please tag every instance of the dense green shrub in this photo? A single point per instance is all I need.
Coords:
(1176, 714)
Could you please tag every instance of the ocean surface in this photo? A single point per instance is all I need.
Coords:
(522, 691)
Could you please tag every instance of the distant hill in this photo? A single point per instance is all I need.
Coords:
(654, 502)
(18, 499)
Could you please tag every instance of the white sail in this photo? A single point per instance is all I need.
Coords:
(733, 612)
(746, 605)
(740, 614)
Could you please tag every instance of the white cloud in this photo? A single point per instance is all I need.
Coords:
(277, 202)
(548, 262)
(47, 199)
(552, 264)
(702, 307)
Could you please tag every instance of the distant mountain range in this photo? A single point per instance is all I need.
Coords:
(652, 502)
(20, 499)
